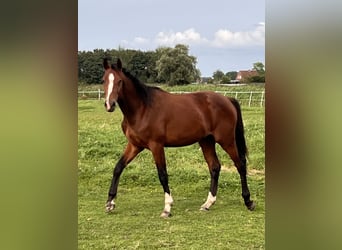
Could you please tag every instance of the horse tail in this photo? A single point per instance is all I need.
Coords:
(239, 130)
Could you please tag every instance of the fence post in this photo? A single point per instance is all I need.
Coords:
(250, 99)
(99, 94)
(262, 98)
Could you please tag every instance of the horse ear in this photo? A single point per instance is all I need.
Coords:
(106, 63)
(119, 64)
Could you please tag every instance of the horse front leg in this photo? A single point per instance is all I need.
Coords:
(129, 154)
(159, 158)
(163, 178)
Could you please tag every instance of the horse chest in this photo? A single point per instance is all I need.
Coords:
(136, 138)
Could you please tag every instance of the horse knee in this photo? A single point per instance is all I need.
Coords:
(120, 165)
(162, 174)
(164, 179)
(215, 171)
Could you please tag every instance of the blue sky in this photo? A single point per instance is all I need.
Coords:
(222, 34)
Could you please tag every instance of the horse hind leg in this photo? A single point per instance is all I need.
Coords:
(240, 163)
(208, 148)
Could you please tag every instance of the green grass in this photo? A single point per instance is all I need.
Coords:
(135, 223)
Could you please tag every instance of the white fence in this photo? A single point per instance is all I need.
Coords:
(94, 94)
(247, 98)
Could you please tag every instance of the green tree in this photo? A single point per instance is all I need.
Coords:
(138, 65)
(225, 79)
(217, 75)
(231, 75)
(260, 68)
(175, 66)
(90, 69)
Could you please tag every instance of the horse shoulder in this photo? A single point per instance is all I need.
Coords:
(124, 125)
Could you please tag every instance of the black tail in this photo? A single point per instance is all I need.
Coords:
(239, 130)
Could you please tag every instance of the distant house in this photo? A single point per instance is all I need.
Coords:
(243, 75)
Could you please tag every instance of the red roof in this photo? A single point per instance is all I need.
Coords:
(244, 74)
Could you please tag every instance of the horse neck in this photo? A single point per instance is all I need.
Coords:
(129, 100)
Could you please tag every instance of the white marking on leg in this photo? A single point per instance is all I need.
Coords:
(210, 201)
(168, 203)
(110, 206)
(109, 89)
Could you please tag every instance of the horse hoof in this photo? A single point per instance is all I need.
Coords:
(165, 214)
(251, 206)
(110, 206)
(205, 209)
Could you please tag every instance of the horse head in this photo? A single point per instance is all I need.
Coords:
(112, 83)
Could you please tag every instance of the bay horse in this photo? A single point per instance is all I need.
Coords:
(154, 119)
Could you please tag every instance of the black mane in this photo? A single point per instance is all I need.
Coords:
(144, 92)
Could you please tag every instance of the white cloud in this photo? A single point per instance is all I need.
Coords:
(140, 40)
(222, 38)
(226, 38)
(189, 36)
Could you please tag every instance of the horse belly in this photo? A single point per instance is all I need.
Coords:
(183, 133)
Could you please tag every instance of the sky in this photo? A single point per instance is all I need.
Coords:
(223, 35)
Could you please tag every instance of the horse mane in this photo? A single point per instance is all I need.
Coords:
(144, 91)
(141, 89)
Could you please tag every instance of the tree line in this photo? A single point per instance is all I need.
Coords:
(173, 66)
(225, 78)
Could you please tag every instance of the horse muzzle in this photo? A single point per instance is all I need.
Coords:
(110, 107)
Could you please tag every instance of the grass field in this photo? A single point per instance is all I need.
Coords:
(135, 223)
